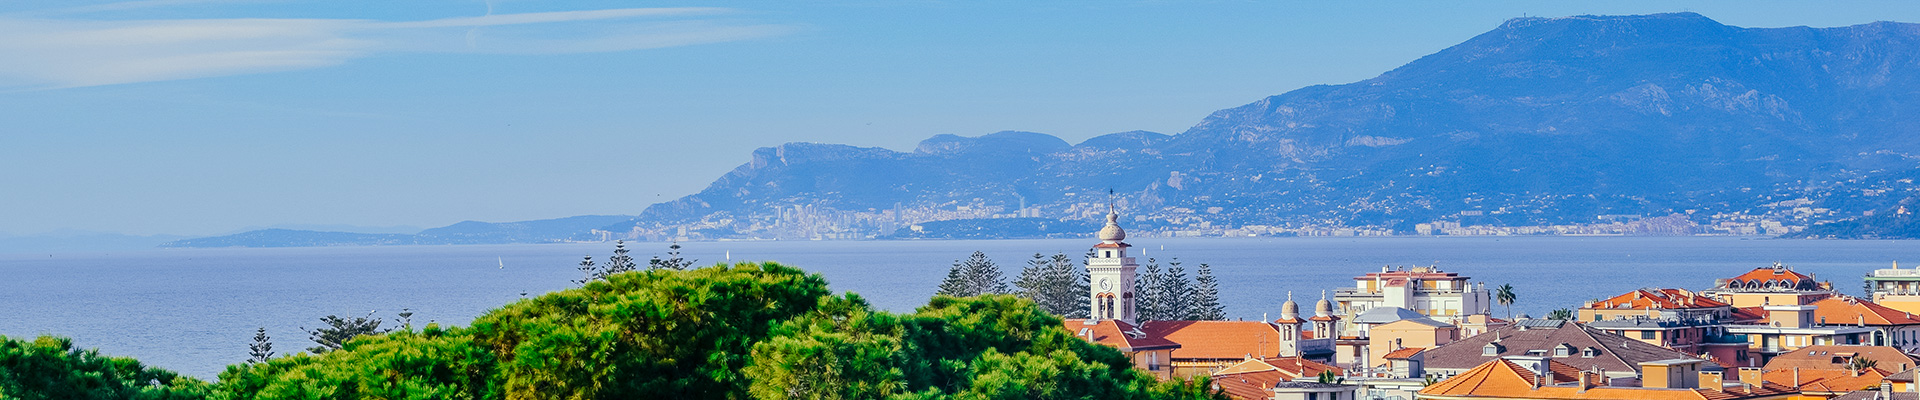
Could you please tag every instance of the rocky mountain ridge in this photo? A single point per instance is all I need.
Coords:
(1539, 121)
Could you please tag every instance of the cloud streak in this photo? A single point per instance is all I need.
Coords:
(48, 53)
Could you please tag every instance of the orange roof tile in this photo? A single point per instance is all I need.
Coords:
(1852, 310)
(1504, 379)
(1816, 379)
(1831, 357)
(1249, 385)
(1116, 334)
(1217, 339)
(1769, 277)
(1643, 299)
(1291, 367)
(1404, 353)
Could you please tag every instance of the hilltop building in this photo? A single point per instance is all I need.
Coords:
(1178, 349)
(1776, 285)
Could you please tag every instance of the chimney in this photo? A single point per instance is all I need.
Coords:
(1796, 377)
(1752, 376)
(1886, 391)
(1585, 383)
(1712, 380)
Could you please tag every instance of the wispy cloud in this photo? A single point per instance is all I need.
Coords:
(56, 53)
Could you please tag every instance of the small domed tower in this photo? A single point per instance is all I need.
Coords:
(1289, 324)
(1112, 271)
(1325, 323)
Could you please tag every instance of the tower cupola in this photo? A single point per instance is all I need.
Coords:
(1112, 273)
(1112, 232)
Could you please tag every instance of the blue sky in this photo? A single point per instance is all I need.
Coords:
(199, 117)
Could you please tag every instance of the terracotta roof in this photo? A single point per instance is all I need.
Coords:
(1615, 352)
(1875, 394)
(1749, 315)
(1504, 379)
(1404, 353)
(1291, 367)
(1773, 274)
(1824, 357)
(1643, 299)
(1249, 385)
(1827, 380)
(1851, 310)
(1217, 339)
(1115, 333)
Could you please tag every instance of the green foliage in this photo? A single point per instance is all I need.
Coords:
(1328, 377)
(1505, 296)
(974, 276)
(1149, 287)
(1562, 314)
(1056, 284)
(50, 368)
(340, 330)
(1176, 292)
(262, 348)
(673, 260)
(1206, 296)
(725, 332)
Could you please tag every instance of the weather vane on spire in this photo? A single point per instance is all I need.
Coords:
(1110, 209)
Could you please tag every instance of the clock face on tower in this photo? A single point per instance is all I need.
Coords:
(1106, 284)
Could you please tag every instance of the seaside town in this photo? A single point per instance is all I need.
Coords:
(1407, 333)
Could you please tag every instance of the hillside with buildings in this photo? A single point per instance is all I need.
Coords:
(1650, 124)
(1403, 333)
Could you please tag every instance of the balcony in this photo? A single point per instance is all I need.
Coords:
(1315, 346)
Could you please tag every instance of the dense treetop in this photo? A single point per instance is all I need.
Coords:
(739, 331)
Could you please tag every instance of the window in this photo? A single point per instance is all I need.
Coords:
(1647, 334)
(1589, 352)
(1492, 349)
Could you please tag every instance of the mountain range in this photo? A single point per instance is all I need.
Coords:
(1540, 121)
(466, 232)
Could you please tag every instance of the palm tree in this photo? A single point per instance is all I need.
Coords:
(1861, 364)
(1561, 314)
(1504, 295)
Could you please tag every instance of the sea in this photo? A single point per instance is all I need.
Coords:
(196, 310)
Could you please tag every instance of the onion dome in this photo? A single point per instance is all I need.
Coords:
(1113, 233)
(1324, 308)
(1290, 310)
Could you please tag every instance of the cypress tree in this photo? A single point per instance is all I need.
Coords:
(1206, 296)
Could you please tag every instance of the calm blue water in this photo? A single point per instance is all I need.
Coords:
(195, 310)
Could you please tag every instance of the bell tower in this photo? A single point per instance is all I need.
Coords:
(1112, 272)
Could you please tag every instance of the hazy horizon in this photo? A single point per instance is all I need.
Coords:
(201, 117)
